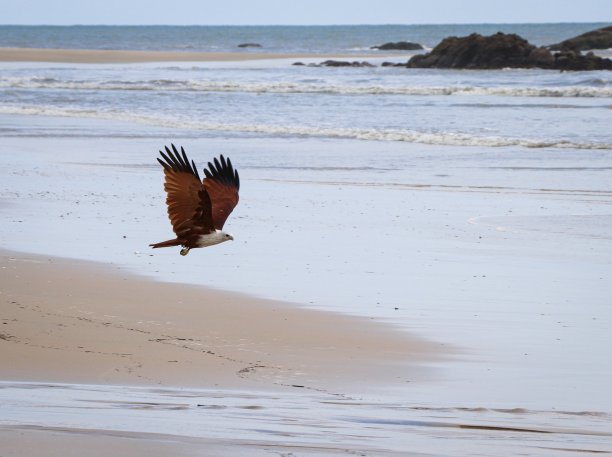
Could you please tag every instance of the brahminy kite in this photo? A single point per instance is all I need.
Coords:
(198, 208)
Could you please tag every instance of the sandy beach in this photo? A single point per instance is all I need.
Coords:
(69, 321)
(41, 441)
(124, 56)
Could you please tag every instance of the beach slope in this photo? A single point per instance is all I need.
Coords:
(71, 321)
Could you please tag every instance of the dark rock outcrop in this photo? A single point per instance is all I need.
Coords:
(574, 61)
(343, 63)
(400, 46)
(596, 39)
(484, 52)
(393, 64)
(502, 51)
(336, 63)
(249, 45)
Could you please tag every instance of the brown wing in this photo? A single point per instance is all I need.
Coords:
(188, 201)
(222, 183)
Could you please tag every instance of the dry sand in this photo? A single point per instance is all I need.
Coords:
(119, 56)
(72, 321)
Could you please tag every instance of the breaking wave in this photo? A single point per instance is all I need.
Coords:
(196, 85)
(406, 135)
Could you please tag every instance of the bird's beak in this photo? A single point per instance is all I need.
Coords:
(231, 237)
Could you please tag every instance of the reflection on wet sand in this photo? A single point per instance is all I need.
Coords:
(304, 423)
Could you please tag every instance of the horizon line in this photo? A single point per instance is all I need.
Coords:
(303, 25)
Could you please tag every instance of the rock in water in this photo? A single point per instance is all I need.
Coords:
(343, 63)
(476, 51)
(574, 61)
(393, 64)
(400, 45)
(595, 39)
(249, 45)
(502, 51)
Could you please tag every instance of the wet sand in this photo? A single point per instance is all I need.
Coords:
(73, 442)
(73, 321)
(69, 419)
(68, 442)
(123, 56)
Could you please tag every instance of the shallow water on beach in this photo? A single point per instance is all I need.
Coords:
(305, 423)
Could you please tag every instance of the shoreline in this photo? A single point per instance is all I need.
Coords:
(125, 56)
(81, 322)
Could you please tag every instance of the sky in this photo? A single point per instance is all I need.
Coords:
(300, 12)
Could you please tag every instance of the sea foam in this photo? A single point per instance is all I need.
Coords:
(199, 85)
(406, 135)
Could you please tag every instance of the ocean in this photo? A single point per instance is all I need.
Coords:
(278, 39)
(471, 208)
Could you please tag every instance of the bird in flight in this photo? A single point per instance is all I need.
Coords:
(198, 208)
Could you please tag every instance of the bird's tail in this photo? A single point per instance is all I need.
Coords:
(166, 244)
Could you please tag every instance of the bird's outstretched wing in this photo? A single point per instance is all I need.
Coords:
(222, 184)
(188, 201)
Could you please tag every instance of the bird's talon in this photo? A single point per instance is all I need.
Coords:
(185, 251)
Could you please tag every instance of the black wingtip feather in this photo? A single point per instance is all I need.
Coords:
(168, 163)
(177, 162)
(163, 164)
(220, 169)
